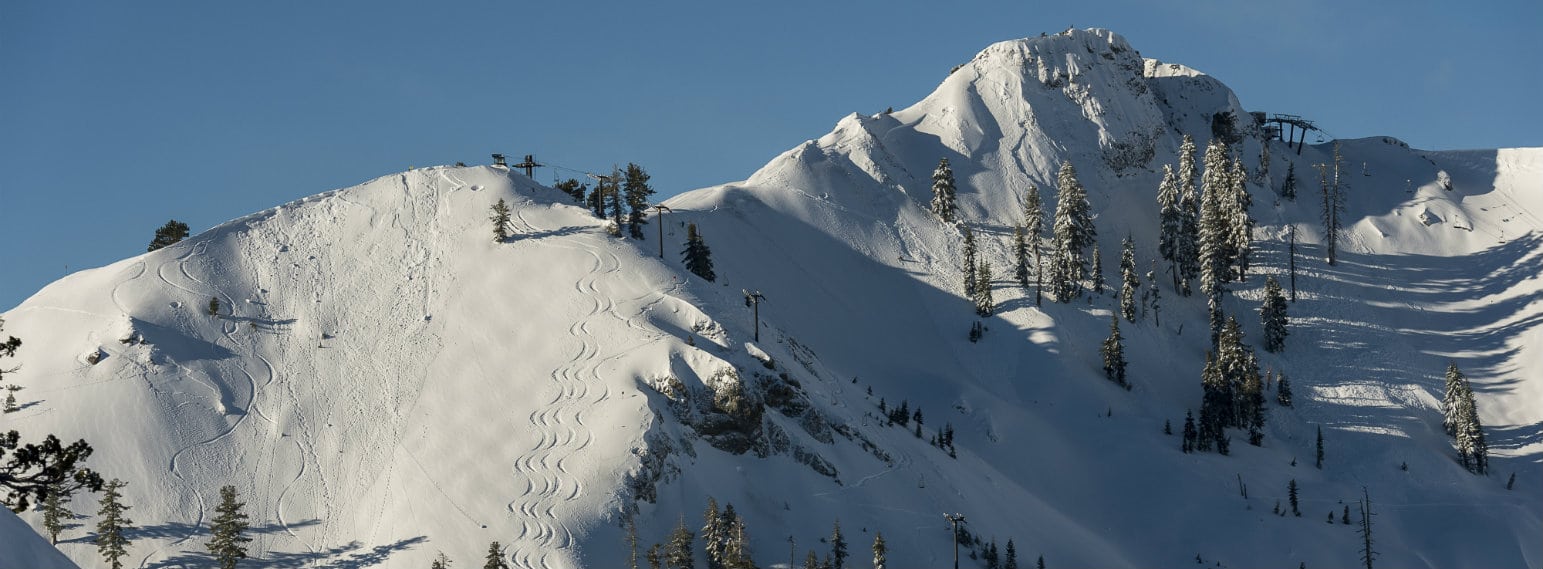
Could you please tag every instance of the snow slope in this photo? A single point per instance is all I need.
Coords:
(384, 382)
(25, 548)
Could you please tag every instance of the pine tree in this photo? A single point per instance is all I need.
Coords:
(1073, 234)
(1041, 563)
(1345, 518)
(1034, 226)
(989, 555)
(500, 219)
(736, 551)
(1272, 316)
(1241, 226)
(879, 550)
(656, 557)
(441, 561)
(970, 267)
(1157, 297)
(677, 555)
(943, 204)
(1214, 402)
(1215, 243)
(714, 535)
(812, 561)
(838, 544)
(111, 524)
(636, 191)
(1253, 404)
(1288, 188)
(229, 528)
(168, 234)
(698, 258)
(1170, 222)
(1454, 394)
(1011, 562)
(495, 558)
(1283, 391)
(1187, 247)
(1129, 281)
(1291, 496)
(56, 511)
(1114, 354)
(1472, 449)
(214, 306)
(1020, 258)
(573, 188)
(984, 304)
(1318, 462)
(1098, 270)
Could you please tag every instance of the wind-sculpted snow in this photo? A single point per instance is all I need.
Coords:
(383, 382)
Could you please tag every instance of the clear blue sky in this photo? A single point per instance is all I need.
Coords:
(116, 116)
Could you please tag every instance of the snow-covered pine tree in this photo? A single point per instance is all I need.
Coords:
(1114, 354)
(636, 191)
(56, 511)
(984, 304)
(1011, 561)
(1472, 449)
(1253, 401)
(1156, 296)
(1215, 243)
(1288, 188)
(111, 525)
(1237, 363)
(441, 561)
(677, 552)
(228, 545)
(713, 534)
(495, 557)
(1283, 391)
(1187, 247)
(943, 204)
(1129, 281)
(655, 556)
(1272, 316)
(168, 234)
(1455, 381)
(1098, 269)
(1215, 403)
(969, 267)
(736, 551)
(1242, 224)
(880, 553)
(1170, 222)
(812, 561)
(698, 258)
(1034, 226)
(1073, 234)
(1020, 257)
(838, 544)
(500, 219)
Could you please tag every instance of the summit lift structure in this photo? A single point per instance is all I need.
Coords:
(1290, 128)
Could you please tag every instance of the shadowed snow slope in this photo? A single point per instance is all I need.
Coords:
(23, 547)
(383, 381)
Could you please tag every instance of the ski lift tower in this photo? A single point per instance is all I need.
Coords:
(529, 165)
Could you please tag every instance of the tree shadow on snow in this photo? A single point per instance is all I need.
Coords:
(350, 556)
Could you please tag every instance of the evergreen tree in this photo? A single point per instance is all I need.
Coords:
(168, 234)
(597, 198)
(1253, 401)
(656, 557)
(1073, 234)
(614, 200)
(441, 561)
(1187, 247)
(984, 304)
(943, 204)
(714, 535)
(56, 512)
(229, 528)
(1215, 242)
(1157, 298)
(111, 524)
(1114, 354)
(573, 188)
(500, 219)
(214, 306)
(1041, 563)
(879, 550)
(1020, 258)
(970, 267)
(1214, 403)
(812, 561)
(636, 191)
(677, 554)
(1241, 224)
(1454, 394)
(1264, 164)
(1288, 188)
(1291, 496)
(1272, 316)
(698, 258)
(1318, 462)
(1098, 270)
(1129, 281)
(1283, 391)
(1170, 222)
(495, 558)
(838, 544)
(736, 551)
(1190, 434)
(1011, 562)
(1345, 518)
(989, 555)
(1472, 449)
(1034, 225)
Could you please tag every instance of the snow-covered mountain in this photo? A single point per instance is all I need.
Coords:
(383, 382)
